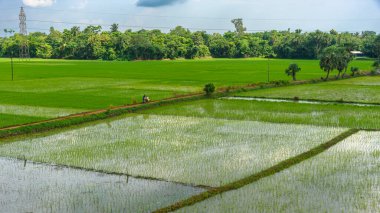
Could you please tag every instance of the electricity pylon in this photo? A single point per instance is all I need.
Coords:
(24, 46)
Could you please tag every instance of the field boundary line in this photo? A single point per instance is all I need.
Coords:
(82, 114)
(85, 117)
(257, 176)
(316, 101)
(224, 91)
(110, 173)
(370, 130)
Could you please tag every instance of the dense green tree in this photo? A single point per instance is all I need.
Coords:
(203, 51)
(377, 47)
(200, 38)
(181, 32)
(242, 48)
(335, 57)
(317, 41)
(114, 28)
(94, 43)
(11, 46)
(239, 26)
(341, 61)
(177, 46)
(38, 47)
(209, 89)
(141, 48)
(354, 70)
(220, 47)
(376, 64)
(349, 41)
(334, 32)
(347, 57)
(55, 40)
(368, 43)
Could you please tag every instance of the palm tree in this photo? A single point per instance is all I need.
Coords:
(292, 70)
(328, 60)
(348, 57)
(114, 28)
(343, 58)
(376, 64)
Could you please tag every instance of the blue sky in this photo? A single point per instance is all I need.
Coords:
(211, 15)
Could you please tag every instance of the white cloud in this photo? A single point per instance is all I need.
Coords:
(38, 3)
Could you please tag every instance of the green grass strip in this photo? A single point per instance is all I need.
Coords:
(321, 101)
(255, 177)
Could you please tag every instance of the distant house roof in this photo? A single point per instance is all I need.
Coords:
(356, 52)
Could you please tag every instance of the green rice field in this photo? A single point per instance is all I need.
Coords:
(64, 86)
(361, 90)
(220, 154)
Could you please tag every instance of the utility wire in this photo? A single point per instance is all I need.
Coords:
(190, 17)
(136, 26)
(129, 26)
(9, 20)
(165, 27)
(200, 17)
(154, 27)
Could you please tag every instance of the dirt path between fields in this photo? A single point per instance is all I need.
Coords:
(220, 90)
(260, 175)
(95, 112)
(301, 101)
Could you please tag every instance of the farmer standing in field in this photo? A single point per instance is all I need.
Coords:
(146, 99)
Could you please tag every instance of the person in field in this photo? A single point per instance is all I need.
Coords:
(146, 99)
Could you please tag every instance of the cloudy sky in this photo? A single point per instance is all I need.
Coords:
(209, 15)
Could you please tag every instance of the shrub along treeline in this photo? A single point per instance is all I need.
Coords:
(93, 43)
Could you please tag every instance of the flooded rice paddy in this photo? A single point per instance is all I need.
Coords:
(344, 178)
(278, 100)
(196, 151)
(31, 187)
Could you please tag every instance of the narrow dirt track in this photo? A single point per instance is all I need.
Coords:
(95, 112)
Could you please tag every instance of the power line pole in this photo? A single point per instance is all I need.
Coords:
(12, 65)
(10, 31)
(268, 70)
(24, 47)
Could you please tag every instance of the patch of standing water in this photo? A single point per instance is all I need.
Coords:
(277, 100)
(34, 187)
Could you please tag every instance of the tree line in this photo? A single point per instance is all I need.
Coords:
(334, 58)
(95, 43)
